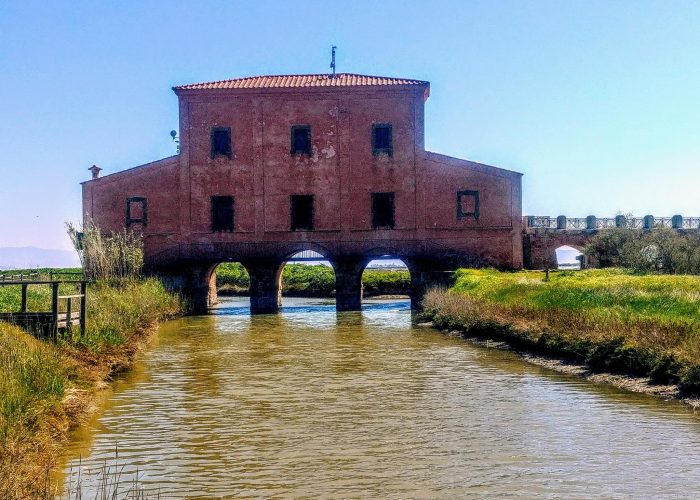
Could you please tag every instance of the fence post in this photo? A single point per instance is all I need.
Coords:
(24, 298)
(54, 310)
(83, 300)
(69, 314)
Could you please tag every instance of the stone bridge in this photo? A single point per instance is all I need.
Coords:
(542, 235)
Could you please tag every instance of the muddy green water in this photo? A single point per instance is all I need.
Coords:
(314, 403)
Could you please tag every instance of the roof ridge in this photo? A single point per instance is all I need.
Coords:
(340, 79)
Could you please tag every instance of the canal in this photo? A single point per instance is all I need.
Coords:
(314, 403)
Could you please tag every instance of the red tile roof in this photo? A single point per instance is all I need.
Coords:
(303, 81)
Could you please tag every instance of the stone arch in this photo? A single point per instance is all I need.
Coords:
(569, 257)
(324, 253)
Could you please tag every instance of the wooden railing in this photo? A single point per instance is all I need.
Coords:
(58, 319)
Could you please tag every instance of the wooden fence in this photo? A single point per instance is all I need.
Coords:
(48, 324)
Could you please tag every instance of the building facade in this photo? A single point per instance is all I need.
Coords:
(269, 166)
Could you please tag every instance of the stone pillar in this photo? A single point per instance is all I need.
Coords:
(193, 282)
(424, 278)
(677, 222)
(265, 293)
(213, 292)
(648, 222)
(591, 222)
(348, 283)
(561, 222)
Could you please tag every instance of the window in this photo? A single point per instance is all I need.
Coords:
(467, 204)
(383, 210)
(301, 140)
(220, 141)
(222, 213)
(136, 210)
(302, 212)
(382, 141)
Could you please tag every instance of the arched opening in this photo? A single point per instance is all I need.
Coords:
(307, 280)
(569, 258)
(385, 279)
(229, 288)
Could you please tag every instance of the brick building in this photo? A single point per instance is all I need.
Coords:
(272, 165)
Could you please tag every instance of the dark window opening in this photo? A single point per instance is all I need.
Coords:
(302, 212)
(382, 141)
(467, 204)
(222, 213)
(383, 210)
(136, 210)
(301, 140)
(220, 141)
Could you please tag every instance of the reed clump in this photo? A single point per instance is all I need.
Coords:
(611, 320)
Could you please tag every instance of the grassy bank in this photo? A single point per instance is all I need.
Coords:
(46, 388)
(609, 320)
(313, 281)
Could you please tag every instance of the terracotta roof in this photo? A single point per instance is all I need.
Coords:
(302, 81)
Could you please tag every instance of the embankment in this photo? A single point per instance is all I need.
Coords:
(47, 388)
(607, 321)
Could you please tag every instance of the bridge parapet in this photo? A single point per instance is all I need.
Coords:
(531, 223)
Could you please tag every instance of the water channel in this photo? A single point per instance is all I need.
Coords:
(314, 403)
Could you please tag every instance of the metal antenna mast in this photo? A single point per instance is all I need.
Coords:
(333, 60)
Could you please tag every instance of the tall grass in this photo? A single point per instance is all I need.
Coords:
(118, 255)
(45, 387)
(610, 319)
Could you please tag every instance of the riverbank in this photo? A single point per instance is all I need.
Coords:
(641, 330)
(300, 280)
(48, 388)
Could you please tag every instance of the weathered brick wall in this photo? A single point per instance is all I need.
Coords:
(341, 173)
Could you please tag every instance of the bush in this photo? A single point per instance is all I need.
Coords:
(661, 250)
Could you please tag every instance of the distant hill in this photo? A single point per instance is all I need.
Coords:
(32, 257)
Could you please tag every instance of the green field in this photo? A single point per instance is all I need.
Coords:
(610, 319)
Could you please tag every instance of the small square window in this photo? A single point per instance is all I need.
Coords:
(383, 210)
(302, 216)
(222, 213)
(220, 141)
(136, 210)
(382, 140)
(467, 204)
(301, 140)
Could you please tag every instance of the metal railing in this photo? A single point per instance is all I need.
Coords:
(592, 222)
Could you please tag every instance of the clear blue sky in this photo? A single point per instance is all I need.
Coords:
(597, 102)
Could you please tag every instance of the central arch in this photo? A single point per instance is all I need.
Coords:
(309, 272)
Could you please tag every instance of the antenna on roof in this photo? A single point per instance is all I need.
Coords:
(333, 60)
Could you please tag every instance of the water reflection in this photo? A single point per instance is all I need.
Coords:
(314, 403)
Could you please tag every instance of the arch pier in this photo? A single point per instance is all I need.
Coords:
(196, 280)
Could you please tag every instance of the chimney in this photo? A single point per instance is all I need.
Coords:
(95, 171)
